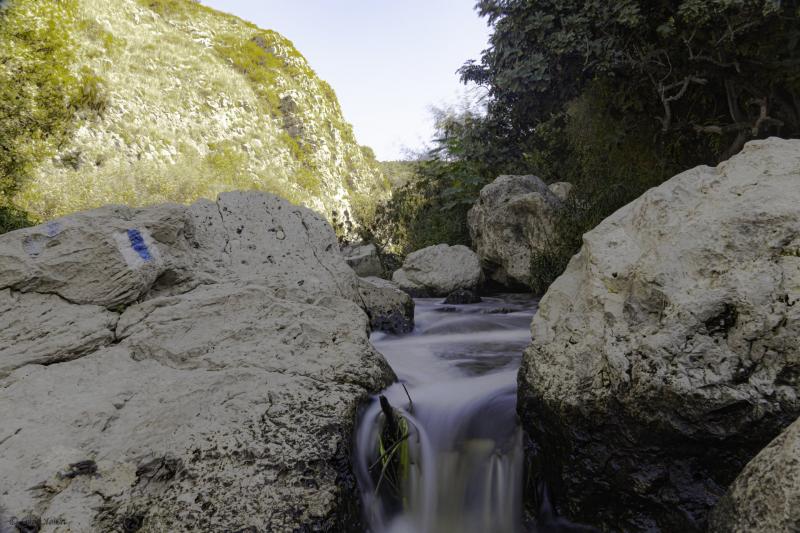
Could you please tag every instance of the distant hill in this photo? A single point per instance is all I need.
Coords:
(142, 101)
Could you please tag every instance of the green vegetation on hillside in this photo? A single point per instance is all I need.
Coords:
(40, 93)
(614, 97)
(144, 101)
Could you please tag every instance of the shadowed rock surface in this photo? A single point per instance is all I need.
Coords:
(389, 308)
(363, 259)
(461, 297)
(176, 368)
(668, 353)
(439, 270)
(511, 221)
(766, 496)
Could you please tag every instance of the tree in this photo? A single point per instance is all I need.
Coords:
(618, 96)
(729, 69)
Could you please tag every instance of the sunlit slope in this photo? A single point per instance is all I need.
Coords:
(155, 100)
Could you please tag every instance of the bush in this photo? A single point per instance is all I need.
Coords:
(38, 91)
(419, 214)
(11, 219)
(41, 94)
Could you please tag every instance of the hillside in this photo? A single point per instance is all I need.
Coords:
(143, 101)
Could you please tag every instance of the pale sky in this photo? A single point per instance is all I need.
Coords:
(387, 60)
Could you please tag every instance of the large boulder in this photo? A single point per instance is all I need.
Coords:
(511, 221)
(389, 308)
(439, 270)
(363, 259)
(182, 368)
(765, 498)
(668, 353)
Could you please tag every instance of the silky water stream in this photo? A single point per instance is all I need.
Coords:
(458, 465)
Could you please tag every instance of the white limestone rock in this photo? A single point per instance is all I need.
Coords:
(213, 387)
(439, 270)
(44, 329)
(511, 221)
(561, 189)
(766, 496)
(363, 259)
(668, 353)
(109, 256)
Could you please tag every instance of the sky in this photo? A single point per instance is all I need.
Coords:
(388, 61)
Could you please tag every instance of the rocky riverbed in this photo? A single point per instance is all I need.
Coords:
(201, 367)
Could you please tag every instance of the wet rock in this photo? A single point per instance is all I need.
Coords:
(512, 220)
(363, 259)
(766, 496)
(389, 308)
(439, 270)
(203, 374)
(667, 354)
(462, 296)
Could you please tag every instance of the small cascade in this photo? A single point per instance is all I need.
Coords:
(455, 463)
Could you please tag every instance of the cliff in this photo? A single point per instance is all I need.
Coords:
(143, 101)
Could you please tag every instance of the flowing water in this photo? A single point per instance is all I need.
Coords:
(462, 452)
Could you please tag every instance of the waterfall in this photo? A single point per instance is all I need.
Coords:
(459, 463)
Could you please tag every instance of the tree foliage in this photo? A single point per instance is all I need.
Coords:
(430, 203)
(728, 69)
(616, 97)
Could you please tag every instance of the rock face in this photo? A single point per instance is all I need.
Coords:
(219, 105)
(668, 353)
(177, 368)
(439, 270)
(766, 495)
(512, 219)
(363, 259)
(389, 308)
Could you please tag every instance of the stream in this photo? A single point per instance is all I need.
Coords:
(462, 452)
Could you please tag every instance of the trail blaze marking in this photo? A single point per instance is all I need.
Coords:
(136, 247)
(138, 244)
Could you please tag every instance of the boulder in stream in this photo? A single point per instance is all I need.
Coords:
(766, 496)
(439, 270)
(668, 353)
(462, 297)
(363, 259)
(389, 308)
(180, 368)
(512, 220)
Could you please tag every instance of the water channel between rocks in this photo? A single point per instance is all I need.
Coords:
(462, 457)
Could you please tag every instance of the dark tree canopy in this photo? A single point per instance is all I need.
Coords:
(724, 69)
